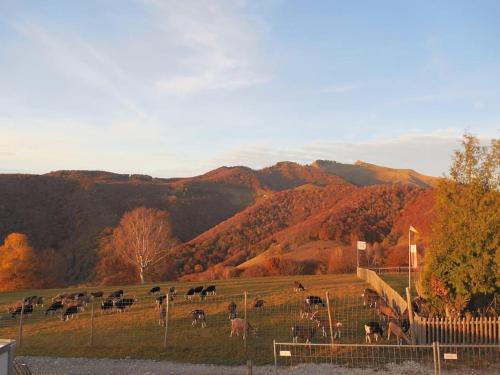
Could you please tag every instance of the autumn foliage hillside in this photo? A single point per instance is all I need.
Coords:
(225, 216)
(336, 214)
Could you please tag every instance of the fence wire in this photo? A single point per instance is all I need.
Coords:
(144, 329)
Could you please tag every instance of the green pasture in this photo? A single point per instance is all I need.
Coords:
(137, 334)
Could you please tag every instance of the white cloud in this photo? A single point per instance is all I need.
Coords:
(220, 47)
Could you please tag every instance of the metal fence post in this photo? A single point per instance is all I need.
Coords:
(275, 358)
(91, 339)
(21, 325)
(327, 295)
(166, 321)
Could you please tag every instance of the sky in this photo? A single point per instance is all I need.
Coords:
(177, 88)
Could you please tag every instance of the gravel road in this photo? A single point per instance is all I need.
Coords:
(86, 366)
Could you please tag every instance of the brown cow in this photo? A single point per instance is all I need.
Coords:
(238, 326)
(398, 332)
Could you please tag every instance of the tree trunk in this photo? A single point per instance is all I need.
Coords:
(141, 274)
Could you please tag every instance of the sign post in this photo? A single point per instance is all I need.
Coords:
(361, 245)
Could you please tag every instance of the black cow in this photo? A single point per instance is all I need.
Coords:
(315, 301)
(210, 290)
(373, 329)
(97, 294)
(189, 294)
(116, 294)
(40, 301)
(159, 300)
(231, 308)
(198, 317)
(172, 291)
(203, 294)
(31, 300)
(107, 305)
(198, 289)
(123, 303)
(54, 307)
(70, 313)
(258, 304)
(154, 290)
(28, 310)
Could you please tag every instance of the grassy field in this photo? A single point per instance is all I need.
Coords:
(136, 333)
(399, 282)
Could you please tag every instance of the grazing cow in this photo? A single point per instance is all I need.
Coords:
(123, 303)
(172, 291)
(189, 294)
(116, 294)
(54, 307)
(298, 287)
(107, 305)
(28, 310)
(97, 294)
(211, 290)
(387, 312)
(159, 301)
(231, 308)
(198, 317)
(31, 300)
(154, 290)
(315, 301)
(85, 299)
(305, 310)
(370, 297)
(162, 319)
(203, 294)
(373, 329)
(394, 328)
(323, 324)
(238, 326)
(303, 333)
(70, 313)
(258, 303)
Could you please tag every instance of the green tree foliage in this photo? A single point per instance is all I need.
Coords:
(462, 264)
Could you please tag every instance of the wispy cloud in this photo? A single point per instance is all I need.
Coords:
(221, 48)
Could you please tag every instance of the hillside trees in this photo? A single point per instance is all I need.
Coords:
(142, 240)
(17, 263)
(462, 263)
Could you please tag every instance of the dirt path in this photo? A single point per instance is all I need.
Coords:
(86, 366)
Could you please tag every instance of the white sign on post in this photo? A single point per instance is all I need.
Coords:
(361, 245)
(285, 353)
(450, 356)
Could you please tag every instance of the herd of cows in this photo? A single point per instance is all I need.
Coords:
(313, 314)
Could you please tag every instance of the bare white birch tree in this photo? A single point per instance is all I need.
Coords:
(143, 238)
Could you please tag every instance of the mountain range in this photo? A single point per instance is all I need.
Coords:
(230, 216)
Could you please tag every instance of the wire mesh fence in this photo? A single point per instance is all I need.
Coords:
(201, 328)
(435, 358)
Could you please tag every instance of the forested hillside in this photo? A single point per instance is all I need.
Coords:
(224, 216)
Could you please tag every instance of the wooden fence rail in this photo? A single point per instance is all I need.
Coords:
(457, 331)
(391, 297)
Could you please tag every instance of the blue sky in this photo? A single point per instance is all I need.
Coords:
(176, 88)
